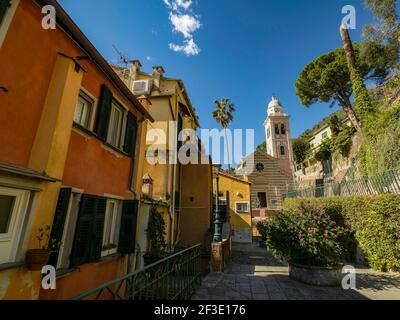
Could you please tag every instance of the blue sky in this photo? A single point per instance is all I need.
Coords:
(250, 49)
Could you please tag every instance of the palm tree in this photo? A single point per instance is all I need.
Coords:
(223, 114)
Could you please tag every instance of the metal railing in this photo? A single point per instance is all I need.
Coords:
(386, 182)
(176, 277)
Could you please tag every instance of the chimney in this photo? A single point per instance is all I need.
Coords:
(158, 73)
(135, 68)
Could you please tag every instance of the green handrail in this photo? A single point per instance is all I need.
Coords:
(181, 271)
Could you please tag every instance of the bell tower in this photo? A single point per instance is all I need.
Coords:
(277, 130)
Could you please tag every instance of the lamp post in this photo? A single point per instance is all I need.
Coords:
(217, 218)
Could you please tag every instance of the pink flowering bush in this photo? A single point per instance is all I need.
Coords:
(262, 227)
(308, 236)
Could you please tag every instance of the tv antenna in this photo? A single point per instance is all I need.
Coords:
(121, 57)
(123, 60)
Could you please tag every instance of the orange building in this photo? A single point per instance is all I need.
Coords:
(71, 136)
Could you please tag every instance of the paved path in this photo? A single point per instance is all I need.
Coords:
(254, 274)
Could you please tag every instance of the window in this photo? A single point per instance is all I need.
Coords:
(115, 125)
(277, 129)
(262, 199)
(242, 207)
(283, 150)
(110, 236)
(325, 135)
(13, 207)
(283, 129)
(4, 5)
(83, 110)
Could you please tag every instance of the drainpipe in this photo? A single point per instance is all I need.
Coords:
(174, 179)
(132, 258)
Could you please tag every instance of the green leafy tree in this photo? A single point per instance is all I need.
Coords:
(324, 152)
(327, 79)
(223, 114)
(301, 147)
(386, 29)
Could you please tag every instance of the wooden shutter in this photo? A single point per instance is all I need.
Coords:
(104, 111)
(4, 5)
(60, 216)
(127, 235)
(131, 134)
(89, 231)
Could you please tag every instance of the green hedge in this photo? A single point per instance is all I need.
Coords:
(375, 221)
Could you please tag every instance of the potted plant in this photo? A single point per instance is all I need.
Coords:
(156, 237)
(313, 243)
(36, 259)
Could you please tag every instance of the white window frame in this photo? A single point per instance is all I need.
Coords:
(242, 202)
(16, 223)
(7, 20)
(115, 222)
(117, 105)
(89, 102)
(68, 236)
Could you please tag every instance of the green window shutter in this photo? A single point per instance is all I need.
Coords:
(177, 200)
(89, 231)
(98, 230)
(59, 221)
(103, 115)
(180, 128)
(131, 134)
(127, 234)
(4, 5)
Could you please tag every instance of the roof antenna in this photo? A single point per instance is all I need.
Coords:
(123, 60)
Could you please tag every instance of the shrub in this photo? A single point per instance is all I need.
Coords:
(380, 149)
(374, 220)
(307, 235)
(262, 228)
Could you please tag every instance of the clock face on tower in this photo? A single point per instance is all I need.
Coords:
(260, 167)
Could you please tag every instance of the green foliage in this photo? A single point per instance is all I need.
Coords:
(380, 148)
(327, 78)
(341, 136)
(387, 28)
(223, 112)
(324, 152)
(301, 148)
(374, 220)
(262, 146)
(262, 227)
(156, 233)
(307, 235)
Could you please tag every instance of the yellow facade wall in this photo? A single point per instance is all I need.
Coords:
(48, 155)
(239, 191)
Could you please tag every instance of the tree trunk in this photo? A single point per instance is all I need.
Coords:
(351, 61)
(364, 107)
(348, 108)
(227, 149)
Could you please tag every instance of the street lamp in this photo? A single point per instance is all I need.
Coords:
(217, 219)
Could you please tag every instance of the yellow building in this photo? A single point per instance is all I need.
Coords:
(166, 180)
(234, 198)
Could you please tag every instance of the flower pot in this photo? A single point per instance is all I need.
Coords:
(316, 276)
(36, 259)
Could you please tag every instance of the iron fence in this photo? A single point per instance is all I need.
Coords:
(386, 182)
(176, 277)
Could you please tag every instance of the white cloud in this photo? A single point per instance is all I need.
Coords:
(148, 58)
(184, 21)
(189, 47)
(178, 4)
(185, 24)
